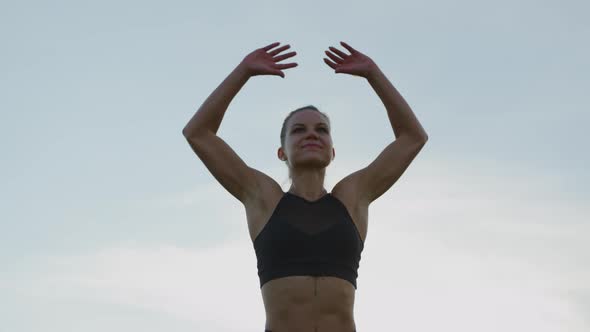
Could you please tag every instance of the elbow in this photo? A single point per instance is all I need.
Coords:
(422, 136)
(193, 134)
(418, 137)
(187, 133)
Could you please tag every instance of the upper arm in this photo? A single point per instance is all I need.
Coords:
(226, 166)
(371, 182)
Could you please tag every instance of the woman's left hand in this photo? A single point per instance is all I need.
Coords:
(356, 63)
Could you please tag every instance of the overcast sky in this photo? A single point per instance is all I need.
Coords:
(110, 222)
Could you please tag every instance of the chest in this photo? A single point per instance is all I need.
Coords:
(258, 216)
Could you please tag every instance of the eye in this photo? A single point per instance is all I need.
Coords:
(299, 128)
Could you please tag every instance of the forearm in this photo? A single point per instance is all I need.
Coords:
(401, 117)
(211, 112)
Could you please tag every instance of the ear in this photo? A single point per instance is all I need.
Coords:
(281, 154)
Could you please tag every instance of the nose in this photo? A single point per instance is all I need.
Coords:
(312, 134)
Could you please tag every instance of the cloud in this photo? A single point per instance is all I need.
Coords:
(406, 281)
(192, 285)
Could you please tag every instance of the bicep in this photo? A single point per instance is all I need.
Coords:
(374, 180)
(225, 165)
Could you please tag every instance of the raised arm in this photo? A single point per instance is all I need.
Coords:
(372, 181)
(201, 131)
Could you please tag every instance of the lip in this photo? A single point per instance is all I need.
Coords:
(312, 145)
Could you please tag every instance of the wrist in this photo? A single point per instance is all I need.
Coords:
(373, 72)
(243, 71)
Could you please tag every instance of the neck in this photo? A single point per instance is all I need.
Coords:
(308, 193)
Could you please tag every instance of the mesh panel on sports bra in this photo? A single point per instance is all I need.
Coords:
(312, 218)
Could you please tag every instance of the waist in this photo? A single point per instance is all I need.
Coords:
(325, 296)
(344, 272)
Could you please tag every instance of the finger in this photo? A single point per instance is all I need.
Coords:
(279, 50)
(283, 57)
(333, 57)
(286, 65)
(268, 47)
(329, 63)
(348, 47)
(339, 52)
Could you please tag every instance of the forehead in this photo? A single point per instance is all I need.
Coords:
(307, 118)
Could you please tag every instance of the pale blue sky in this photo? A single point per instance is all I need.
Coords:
(109, 221)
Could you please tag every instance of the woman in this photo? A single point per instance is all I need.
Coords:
(308, 242)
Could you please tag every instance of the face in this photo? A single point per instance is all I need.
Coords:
(303, 128)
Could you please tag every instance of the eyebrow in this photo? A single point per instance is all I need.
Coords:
(317, 124)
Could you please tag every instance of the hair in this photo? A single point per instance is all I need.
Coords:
(284, 128)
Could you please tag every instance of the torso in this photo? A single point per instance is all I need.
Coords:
(307, 303)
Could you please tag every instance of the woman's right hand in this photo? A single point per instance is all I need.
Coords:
(263, 62)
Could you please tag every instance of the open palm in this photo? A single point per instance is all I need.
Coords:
(263, 61)
(356, 63)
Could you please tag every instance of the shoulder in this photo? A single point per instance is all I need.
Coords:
(348, 191)
(267, 193)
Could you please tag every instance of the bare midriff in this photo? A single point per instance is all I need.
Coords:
(307, 303)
